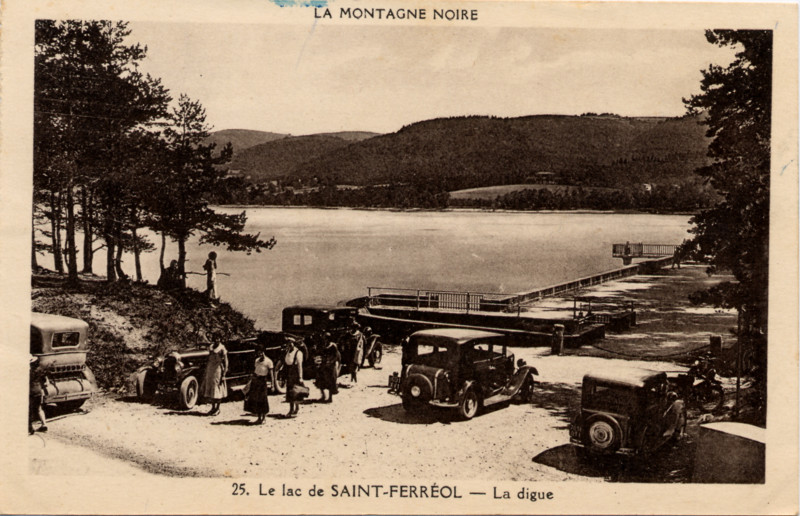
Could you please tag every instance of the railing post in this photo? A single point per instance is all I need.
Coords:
(417, 299)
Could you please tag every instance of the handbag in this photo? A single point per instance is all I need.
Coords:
(299, 391)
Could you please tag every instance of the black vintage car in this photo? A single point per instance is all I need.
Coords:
(311, 322)
(180, 373)
(461, 369)
(627, 412)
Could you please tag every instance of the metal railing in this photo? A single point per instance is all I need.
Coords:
(441, 299)
(640, 250)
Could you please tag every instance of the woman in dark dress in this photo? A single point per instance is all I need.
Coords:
(328, 375)
(293, 363)
(257, 400)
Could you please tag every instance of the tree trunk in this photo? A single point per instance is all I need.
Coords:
(34, 261)
(118, 262)
(72, 251)
(88, 251)
(182, 259)
(161, 254)
(108, 236)
(136, 255)
(55, 230)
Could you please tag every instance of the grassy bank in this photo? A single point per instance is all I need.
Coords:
(129, 323)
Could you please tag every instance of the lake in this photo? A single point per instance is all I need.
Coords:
(324, 256)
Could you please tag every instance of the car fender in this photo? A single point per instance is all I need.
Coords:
(190, 371)
(464, 388)
(419, 379)
(530, 369)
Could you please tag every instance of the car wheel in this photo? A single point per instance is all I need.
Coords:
(602, 435)
(468, 407)
(188, 392)
(280, 378)
(711, 399)
(376, 355)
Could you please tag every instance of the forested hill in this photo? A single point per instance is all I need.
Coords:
(241, 138)
(475, 151)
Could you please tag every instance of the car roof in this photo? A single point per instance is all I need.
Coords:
(459, 335)
(631, 376)
(322, 308)
(51, 322)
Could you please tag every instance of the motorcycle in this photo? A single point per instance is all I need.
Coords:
(700, 387)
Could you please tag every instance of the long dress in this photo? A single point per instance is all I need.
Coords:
(293, 361)
(214, 387)
(257, 400)
(211, 279)
(328, 375)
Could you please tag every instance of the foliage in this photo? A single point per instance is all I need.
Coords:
(469, 152)
(734, 234)
(193, 175)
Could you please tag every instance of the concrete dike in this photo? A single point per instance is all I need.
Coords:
(396, 312)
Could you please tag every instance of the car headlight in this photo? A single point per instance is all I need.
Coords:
(416, 391)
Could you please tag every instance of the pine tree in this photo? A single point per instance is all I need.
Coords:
(734, 234)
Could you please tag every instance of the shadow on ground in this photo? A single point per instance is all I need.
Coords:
(562, 400)
(425, 415)
(670, 464)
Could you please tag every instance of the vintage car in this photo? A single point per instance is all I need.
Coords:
(180, 373)
(627, 412)
(311, 322)
(61, 346)
(461, 369)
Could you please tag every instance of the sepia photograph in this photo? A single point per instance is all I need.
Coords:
(343, 257)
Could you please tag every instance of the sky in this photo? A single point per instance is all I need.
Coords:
(326, 78)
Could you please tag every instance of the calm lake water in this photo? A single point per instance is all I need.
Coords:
(326, 256)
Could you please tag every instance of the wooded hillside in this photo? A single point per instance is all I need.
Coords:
(469, 152)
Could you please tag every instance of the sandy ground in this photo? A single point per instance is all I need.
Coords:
(365, 433)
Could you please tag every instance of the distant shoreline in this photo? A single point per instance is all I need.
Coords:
(453, 210)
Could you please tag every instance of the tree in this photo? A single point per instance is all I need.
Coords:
(88, 93)
(733, 235)
(194, 174)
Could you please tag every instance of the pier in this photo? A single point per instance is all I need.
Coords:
(629, 251)
(522, 316)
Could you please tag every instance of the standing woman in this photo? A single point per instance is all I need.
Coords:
(293, 362)
(328, 376)
(214, 388)
(257, 401)
(211, 276)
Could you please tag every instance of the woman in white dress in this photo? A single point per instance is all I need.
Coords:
(214, 388)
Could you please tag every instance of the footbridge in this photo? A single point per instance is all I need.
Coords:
(629, 251)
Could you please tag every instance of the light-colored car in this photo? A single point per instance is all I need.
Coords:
(61, 345)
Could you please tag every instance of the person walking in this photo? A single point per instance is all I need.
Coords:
(257, 399)
(211, 276)
(293, 363)
(214, 387)
(328, 375)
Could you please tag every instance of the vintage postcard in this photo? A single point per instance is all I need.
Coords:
(399, 257)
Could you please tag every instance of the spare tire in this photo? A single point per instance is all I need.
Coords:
(602, 434)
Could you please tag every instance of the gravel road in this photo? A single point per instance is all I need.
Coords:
(364, 433)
